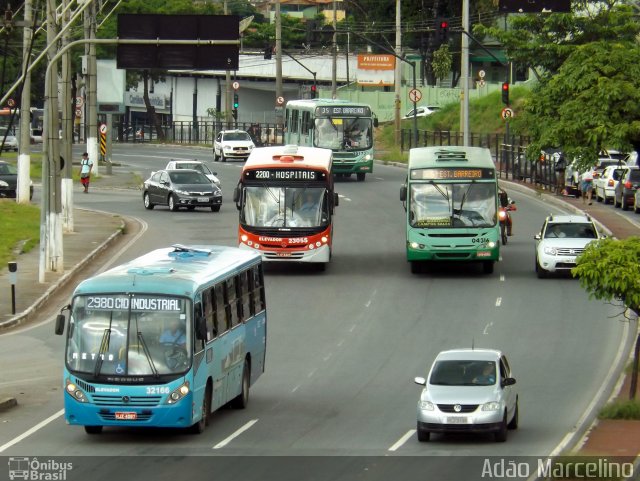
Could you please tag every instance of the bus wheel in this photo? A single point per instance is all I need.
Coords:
(242, 400)
(199, 427)
(361, 176)
(417, 267)
(93, 429)
(487, 267)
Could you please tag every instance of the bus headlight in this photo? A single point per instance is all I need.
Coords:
(76, 392)
(368, 157)
(415, 245)
(311, 246)
(491, 244)
(244, 238)
(318, 244)
(178, 394)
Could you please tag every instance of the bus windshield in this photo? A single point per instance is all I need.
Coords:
(266, 206)
(339, 133)
(118, 334)
(470, 204)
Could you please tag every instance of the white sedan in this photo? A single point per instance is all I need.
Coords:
(195, 165)
(422, 111)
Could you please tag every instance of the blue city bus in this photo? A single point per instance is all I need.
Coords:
(344, 127)
(165, 340)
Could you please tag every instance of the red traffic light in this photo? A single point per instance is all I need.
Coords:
(444, 24)
(313, 88)
(505, 93)
(505, 86)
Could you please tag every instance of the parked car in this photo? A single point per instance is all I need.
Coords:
(626, 188)
(468, 390)
(232, 144)
(596, 170)
(423, 111)
(561, 240)
(604, 185)
(10, 140)
(195, 165)
(636, 202)
(9, 181)
(181, 188)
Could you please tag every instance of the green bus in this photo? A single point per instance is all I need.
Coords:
(344, 127)
(451, 200)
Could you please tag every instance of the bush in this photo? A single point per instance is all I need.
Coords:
(627, 409)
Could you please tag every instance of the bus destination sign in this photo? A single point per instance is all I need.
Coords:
(343, 111)
(304, 175)
(122, 303)
(453, 173)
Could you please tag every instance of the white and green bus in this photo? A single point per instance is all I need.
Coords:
(344, 127)
(451, 201)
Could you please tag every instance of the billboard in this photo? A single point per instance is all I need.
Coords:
(375, 70)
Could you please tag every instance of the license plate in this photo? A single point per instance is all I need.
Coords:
(126, 416)
(283, 254)
(457, 420)
(203, 199)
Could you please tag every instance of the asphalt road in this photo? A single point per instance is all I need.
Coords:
(344, 345)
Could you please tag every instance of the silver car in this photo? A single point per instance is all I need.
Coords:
(468, 391)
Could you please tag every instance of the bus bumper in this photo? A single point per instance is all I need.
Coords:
(420, 252)
(320, 254)
(351, 168)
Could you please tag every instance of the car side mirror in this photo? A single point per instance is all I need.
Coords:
(59, 327)
(537, 237)
(508, 381)
(403, 193)
(336, 199)
(375, 121)
(420, 380)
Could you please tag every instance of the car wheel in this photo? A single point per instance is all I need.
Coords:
(215, 208)
(513, 424)
(636, 206)
(222, 157)
(361, 176)
(93, 429)
(172, 203)
(216, 157)
(423, 436)
(199, 427)
(241, 401)
(147, 201)
(487, 267)
(501, 435)
(598, 198)
(623, 204)
(540, 271)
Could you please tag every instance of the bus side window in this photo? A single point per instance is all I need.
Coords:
(293, 125)
(199, 343)
(257, 289)
(306, 123)
(232, 301)
(221, 315)
(207, 301)
(245, 295)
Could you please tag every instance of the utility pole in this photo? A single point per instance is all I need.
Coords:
(334, 53)
(67, 127)
(92, 120)
(24, 158)
(279, 93)
(464, 73)
(398, 80)
(227, 91)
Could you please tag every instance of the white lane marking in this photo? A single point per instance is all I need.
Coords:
(498, 301)
(486, 328)
(340, 342)
(29, 432)
(31, 379)
(379, 178)
(402, 440)
(296, 388)
(226, 441)
(501, 277)
(373, 294)
(353, 328)
(311, 373)
(327, 357)
(345, 198)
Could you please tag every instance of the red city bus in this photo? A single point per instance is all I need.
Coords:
(286, 201)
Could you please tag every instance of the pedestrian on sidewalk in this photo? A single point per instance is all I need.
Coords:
(586, 186)
(86, 165)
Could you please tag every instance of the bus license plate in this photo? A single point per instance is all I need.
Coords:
(126, 416)
(457, 420)
(203, 199)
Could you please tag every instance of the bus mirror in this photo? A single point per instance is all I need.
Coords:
(59, 329)
(403, 193)
(375, 121)
(236, 195)
(336, 199)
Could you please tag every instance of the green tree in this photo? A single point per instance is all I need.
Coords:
(610, 270)
(592, 103)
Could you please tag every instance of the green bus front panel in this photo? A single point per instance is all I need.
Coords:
(442, 245)
(352, 162)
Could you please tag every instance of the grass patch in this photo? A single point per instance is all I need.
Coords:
(20, 227)
(621, 409)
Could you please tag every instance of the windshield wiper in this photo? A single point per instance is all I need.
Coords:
(104, 345)
(145, 349)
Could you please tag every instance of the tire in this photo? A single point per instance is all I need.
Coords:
(623, 204)
(500, 436)
(361, 176)
(540, 271)
(487, 267)
(216, 157)
(200, 426)
(416, 267)
(242, 400)
(93, 429)
(216, 208)
(423, 436)
(503, 233)
(513, 424)
(172, 203)
(222, 157)
(636, 207)
(598, 198)
(320, 266)
(147, 202)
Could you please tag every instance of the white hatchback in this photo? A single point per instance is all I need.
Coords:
(232, 144)
(604, 186)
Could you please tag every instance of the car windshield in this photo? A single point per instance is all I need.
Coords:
(117, 334)
(188, 178)
(570, 230)
(194, 166)
(8, 169)
(342, 133)
(463, 373)
(266, 206)
(236, 136)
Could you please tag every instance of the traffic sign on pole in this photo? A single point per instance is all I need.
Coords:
(103, 128)
(235, 85)
(280, 100)
(415, 95)
(506, 113)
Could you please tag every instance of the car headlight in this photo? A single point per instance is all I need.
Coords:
(552, 251)
(425, 405)
(226, 147)
(181, 192)
(491, 406)
(3, 184)
(251, 147)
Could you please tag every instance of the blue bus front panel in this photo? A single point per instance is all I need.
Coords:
(444, 245)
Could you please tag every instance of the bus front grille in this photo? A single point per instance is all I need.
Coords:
(84, 386)
(452, 255)
(287, 255)
(133, 401)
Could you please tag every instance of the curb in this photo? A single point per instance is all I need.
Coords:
(30, 311)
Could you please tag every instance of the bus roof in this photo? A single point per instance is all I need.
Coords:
(311, 104)
(450, 156)
(175, 270)
(289, 157)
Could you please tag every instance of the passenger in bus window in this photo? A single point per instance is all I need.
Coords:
(173, 334)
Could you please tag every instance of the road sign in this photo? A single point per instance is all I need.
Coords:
(79, 102)
(103, 128)
(507, 113)
(235, 85)
(11, 103)
(481, 83)
(415, 95)
(78, 113)
(280, 100)
(481, 74)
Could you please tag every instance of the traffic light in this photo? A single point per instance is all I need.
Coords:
(234, 112)
(268, 52)
(236, 103)
(505, 93)
(441, 27)
(314, 91)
